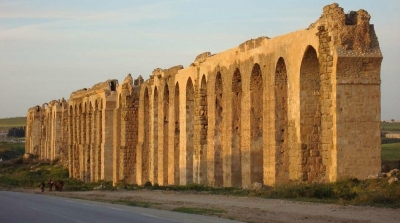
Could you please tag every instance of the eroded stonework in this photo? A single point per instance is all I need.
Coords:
(302, 106)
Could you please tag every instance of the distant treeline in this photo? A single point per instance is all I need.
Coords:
(16, 132)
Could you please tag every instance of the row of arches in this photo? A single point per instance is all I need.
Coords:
(224, 155)
(85, 127)
(217, 130)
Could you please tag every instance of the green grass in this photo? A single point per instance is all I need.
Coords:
(199, 211)
(10, 151)
(13, 122)
(388, 126)
(391, 151)
(389, 140)
(16, 173)
(7, 123)
(132, 203)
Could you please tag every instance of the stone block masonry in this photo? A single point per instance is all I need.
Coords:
(301, 106)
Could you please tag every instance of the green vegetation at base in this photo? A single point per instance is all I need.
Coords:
(391, 151)
(389, 140)
(132, 203)
(375, 192)
(10, 151)
(16, 173)
(200, 211)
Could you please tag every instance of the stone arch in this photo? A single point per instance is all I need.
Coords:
(165, 133)
(189, 130)
(256, 124)
(71, 137)
(71, 123)
(310, 115)
(75, 154)
(146, 141)
(236, 104)
(281, 121)
(176, 136)
(97, 140)
(154, 152)
(91, 141)
(80, 112)
(75, 121)
(100, 161)
(85, 163)
(218, 132)
(203, 130)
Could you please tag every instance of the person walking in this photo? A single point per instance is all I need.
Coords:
(42, 185)
(51, 183)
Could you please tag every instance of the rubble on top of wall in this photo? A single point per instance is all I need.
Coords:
(102, 86)
(352, 29)
(139, 81)
(201, 58)
(127, 84)
(173, 70)
(162, 73)
(253, 43)
(158, 72)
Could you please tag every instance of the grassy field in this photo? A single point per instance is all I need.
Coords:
(386, 126)
(7, 123)
(391, 151)
(10, 151)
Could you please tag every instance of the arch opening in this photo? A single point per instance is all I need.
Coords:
(146, 129)
(310, 116)
(281, 121)
(218, 150)
(113, 86)
(154, 147)
(236, 104)
(189, 130)
(176, 136)
(256, 125)
(202, 169)
(165, 134)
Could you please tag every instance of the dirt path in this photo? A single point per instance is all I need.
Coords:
(247, 209)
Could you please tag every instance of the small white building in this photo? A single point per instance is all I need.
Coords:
(393, 135)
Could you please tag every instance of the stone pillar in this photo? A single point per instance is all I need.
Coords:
(117, 150)
(107, 141)
(227, 129)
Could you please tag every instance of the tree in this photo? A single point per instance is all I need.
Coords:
(16, 132)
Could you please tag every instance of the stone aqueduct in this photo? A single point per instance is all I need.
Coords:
(302, 106)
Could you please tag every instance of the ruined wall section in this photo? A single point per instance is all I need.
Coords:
(356, 93)
(156, 158)
(33, 130)
(63, 109)
(91, 132)
(45, 132)
(126, 131)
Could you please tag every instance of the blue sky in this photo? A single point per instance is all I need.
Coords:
(49, 49)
